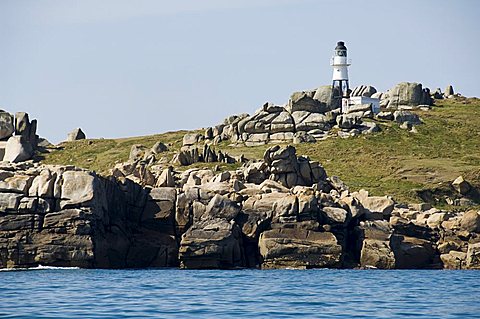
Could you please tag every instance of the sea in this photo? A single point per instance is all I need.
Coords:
(47, 292)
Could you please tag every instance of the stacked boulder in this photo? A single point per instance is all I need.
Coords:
(151, 167)
(437, 238)
(405, 95)
(250, 218)
(283, 166)
(190, 153)
(18, 139)
(314, 115)
(306, 116)
(140, 166)
(214, 240)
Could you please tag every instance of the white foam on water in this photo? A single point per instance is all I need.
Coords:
(39, 267)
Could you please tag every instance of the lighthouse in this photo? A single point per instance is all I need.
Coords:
(339, 62)
(340, 87)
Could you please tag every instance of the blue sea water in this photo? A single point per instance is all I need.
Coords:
(174, 293)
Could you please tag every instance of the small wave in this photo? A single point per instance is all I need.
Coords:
(39, 267)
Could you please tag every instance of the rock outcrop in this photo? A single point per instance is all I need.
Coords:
(280, 212)
(313, 115)
(299, 248)
(190, 154)
(18, 138)
(64, 216)
(6, 125)
(75, 135)
(17, 150)
(363, 90)
(406, 95)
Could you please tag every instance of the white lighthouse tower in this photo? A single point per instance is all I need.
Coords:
(339, 62)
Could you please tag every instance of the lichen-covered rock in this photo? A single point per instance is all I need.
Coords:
(278, 212)
(285, 167)
(306, 121)
(159, 147)
(212, 244)
(191, 139)
(454, 259)
(388, 116)
(336, 215)
(26, 129)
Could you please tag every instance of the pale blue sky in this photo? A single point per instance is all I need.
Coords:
(120, 68)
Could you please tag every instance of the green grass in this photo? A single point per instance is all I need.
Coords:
(393, 161)
(100, 155)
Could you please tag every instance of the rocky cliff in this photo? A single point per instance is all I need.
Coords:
(64, 216)
(282, 211)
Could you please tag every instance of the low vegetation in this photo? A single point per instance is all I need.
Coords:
(393, 161)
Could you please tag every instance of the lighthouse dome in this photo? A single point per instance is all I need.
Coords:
(340, 46)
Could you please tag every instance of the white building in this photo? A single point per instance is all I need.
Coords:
(357, 100)
(340, 84)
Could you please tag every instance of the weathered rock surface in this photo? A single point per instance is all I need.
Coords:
(75, 135)
(470, 221)
(26, 129)
(375, 250)
(406, 117)
(311, 115)
(363, 90)
(473, 256)
(214, 240)
(307, 117)
(6, 125)
(449, 91)
(17, 150)
(63, 216)
(406, 94)
(280, 212)
(461, 185)
(18, 138)
(299, 248)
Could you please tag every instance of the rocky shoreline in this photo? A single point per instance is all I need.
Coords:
(279, 212)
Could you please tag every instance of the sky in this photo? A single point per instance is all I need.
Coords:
(119, 68)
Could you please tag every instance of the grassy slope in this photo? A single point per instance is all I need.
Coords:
(394, 161)
(101, 154)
